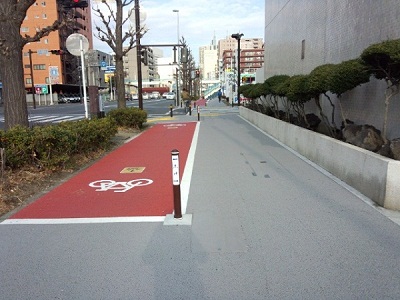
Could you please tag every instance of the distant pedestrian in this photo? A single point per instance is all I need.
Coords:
(219, 95)
(185, 98)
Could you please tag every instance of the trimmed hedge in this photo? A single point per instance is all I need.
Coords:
(52, 146)
(131, 117)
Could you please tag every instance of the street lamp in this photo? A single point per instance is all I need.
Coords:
(177, 77)
(237, 37)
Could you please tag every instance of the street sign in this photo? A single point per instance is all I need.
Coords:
(110, 69)
(54, 74)
(53, 71)
(41, 89)
(42, 51)
(44, 89)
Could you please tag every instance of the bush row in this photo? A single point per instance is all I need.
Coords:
(381, 60)
(53, 146)
(131, 117)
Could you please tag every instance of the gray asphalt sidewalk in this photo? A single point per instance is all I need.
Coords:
(265, 225)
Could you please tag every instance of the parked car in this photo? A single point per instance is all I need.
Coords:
(71, 98)
(155, 95)
(62, 99)
(146, 96)
(164, 95)
(135, 96)
(170, 96)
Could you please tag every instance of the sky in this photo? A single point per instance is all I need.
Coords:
(199, 21)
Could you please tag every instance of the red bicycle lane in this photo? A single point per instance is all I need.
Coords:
(134, 180)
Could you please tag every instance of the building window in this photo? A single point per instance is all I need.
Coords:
(27, 66)
(44, 16)
(24, 29)
(28, 80)
(47, 80)
(39, 67)
(303, 48)
(43, 3)
(46, 41)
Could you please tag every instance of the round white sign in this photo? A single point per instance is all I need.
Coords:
(73, 44)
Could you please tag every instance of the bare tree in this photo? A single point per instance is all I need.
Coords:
(12, 14)
(112, 34)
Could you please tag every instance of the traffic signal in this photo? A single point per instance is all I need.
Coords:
(57, 52)
(184, 55)
(143, 56)
(76, 3)
(197, 73)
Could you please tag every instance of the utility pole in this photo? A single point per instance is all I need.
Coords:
(33, 84)
(138, 54)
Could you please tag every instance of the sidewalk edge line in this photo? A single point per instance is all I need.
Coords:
(82, 220)
(187, 173)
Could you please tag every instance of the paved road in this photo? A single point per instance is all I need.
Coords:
(265, 224)
(76, 111)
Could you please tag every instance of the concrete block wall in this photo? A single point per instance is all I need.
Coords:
(333, 31)
(375, 176)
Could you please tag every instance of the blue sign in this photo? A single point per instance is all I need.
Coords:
(53, 71)
(103, 64)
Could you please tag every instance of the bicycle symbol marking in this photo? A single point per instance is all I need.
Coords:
(118, 186)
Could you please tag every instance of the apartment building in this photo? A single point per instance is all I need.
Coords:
(245, 43)
(38, 56)
(208, 61)
(250, 60)
(251, 55)
(148, 65)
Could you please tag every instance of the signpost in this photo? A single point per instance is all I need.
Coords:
(54, 78)
(77, 44)
(41, 89)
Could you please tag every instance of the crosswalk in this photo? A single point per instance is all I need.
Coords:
(49, 119)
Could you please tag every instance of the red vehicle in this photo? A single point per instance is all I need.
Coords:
(150, 90)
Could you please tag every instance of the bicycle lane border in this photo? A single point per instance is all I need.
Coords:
(150, 200)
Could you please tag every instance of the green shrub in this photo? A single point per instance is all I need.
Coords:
(18, 145)
(131, 117)
(52, 146)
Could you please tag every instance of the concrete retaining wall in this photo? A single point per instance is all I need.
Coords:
(375, 176)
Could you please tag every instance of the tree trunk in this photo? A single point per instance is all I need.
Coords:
(323, 116)
(389, 93)
(11, 68)
(119, 63)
